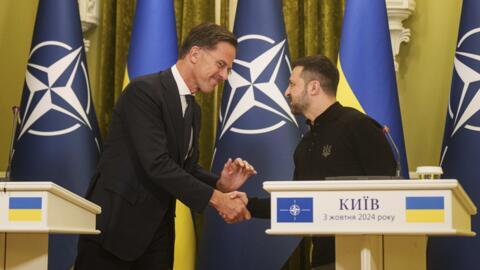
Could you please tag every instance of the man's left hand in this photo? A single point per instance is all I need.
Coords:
(234, 174)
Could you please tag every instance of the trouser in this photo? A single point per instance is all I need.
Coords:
(158, 256)
(323, 252)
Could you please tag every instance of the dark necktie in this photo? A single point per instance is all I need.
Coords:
(188, 120)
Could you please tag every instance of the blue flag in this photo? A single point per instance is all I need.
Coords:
(461, 142)
(153, 46)
(256, 124)
(367, 75)
(58, 138)
(293, 210)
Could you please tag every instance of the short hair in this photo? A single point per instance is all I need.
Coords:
(319, 67)
(207, 35)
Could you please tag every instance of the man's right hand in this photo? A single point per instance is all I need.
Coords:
(232, 210)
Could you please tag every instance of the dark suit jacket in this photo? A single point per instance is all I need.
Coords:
(142, 169)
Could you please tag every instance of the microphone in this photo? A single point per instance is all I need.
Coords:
(386, 131)
(15, 111)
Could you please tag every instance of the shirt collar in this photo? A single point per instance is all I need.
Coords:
(181, 85)
(328, 114)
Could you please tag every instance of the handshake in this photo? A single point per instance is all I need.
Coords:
(231, 204)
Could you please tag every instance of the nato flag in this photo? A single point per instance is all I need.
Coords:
(57, 139)
(256, 124)
(461, 144)
(293, 210)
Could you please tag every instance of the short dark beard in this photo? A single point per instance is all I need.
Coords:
(301, 106)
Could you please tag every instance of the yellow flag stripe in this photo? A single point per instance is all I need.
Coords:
(184, 253)
(126, 79)
(425, 215)
(345, 94)
(24, 215)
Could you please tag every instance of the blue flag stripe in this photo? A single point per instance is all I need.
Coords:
(152, 49)
(25, 203)
(425, 203)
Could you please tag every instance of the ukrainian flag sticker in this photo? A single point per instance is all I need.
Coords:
(25, 209)
(425, 209)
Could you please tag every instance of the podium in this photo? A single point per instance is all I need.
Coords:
(29, 212)
(378, 224)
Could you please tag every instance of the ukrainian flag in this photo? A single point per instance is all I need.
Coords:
(367, 76)
(425, 209)
(153, 48)
(153, 45)
(27, 209)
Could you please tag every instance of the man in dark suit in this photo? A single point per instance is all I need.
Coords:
(150, 160)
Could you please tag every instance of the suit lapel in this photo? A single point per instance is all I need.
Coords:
(172, 98)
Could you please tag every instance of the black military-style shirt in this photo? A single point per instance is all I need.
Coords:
(341, 142)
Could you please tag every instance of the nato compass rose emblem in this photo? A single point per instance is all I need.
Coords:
(294, 210)
(57, 91)
(467, 66)
(257, 87)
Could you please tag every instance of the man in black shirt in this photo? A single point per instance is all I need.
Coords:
(341, 142)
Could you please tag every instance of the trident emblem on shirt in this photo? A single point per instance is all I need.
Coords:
(327, 150)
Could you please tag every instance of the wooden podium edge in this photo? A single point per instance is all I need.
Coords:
(54, 189)
(428, 233)
(52, 230)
